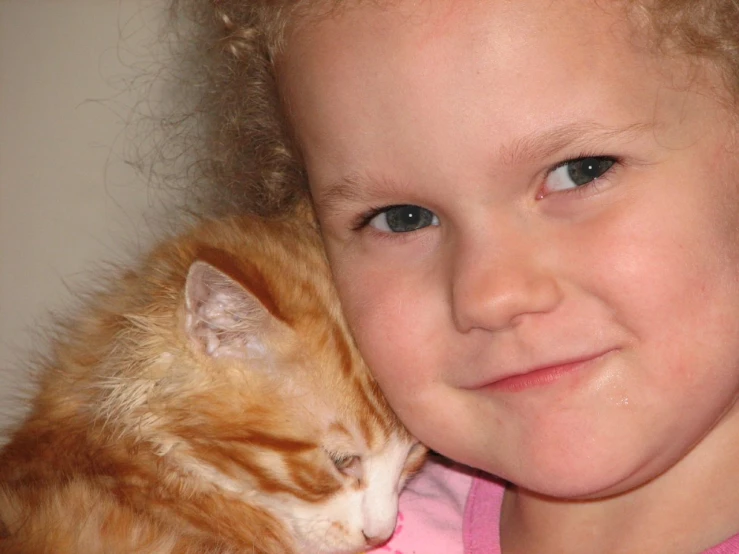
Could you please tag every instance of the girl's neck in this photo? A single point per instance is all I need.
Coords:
(686, 510)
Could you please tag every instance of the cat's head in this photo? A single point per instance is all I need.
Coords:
(266, 400)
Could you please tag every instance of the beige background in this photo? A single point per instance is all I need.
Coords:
(67, 195)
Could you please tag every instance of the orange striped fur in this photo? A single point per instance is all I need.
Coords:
(210, 400)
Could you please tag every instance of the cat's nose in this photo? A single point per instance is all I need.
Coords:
(373, 539)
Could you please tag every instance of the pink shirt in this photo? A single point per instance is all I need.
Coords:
(449, 510)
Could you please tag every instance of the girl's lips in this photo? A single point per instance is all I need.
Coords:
(542, 375)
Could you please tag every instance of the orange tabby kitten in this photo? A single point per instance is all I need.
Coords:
(209, 401)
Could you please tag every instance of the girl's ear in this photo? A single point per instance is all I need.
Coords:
(222, 318)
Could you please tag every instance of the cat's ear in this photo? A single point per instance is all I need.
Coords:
(222, 318)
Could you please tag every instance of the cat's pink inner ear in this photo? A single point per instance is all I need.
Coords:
(222, 318)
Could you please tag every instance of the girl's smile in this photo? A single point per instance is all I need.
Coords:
(533, 225)
(519, 380)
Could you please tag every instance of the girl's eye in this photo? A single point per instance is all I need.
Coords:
(576, 173)
(402, 219)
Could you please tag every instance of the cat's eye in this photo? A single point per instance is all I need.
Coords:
(348, 464)
(344, 461)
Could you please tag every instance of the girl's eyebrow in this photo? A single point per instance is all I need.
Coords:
(542, 145)
(354, 188)
(360, 188)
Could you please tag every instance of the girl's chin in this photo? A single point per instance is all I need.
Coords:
(569, 492)
(576, 478)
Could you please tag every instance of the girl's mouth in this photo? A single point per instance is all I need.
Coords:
(542, 375)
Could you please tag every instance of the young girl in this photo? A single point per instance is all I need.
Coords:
(531, 209)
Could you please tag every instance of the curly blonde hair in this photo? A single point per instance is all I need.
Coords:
(246, 159)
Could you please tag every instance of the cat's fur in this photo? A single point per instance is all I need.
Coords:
(208, 401)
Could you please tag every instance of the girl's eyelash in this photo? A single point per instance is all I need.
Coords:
(363, 219)
(616, 161)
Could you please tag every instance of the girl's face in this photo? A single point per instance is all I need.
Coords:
(534, 229)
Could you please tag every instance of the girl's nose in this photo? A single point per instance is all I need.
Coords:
(494, 288)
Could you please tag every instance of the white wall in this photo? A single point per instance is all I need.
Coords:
(67, 197)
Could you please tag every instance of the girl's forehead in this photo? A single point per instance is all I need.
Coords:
(422, 24)
(458, 46)
(430, 83)
(366, 44)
